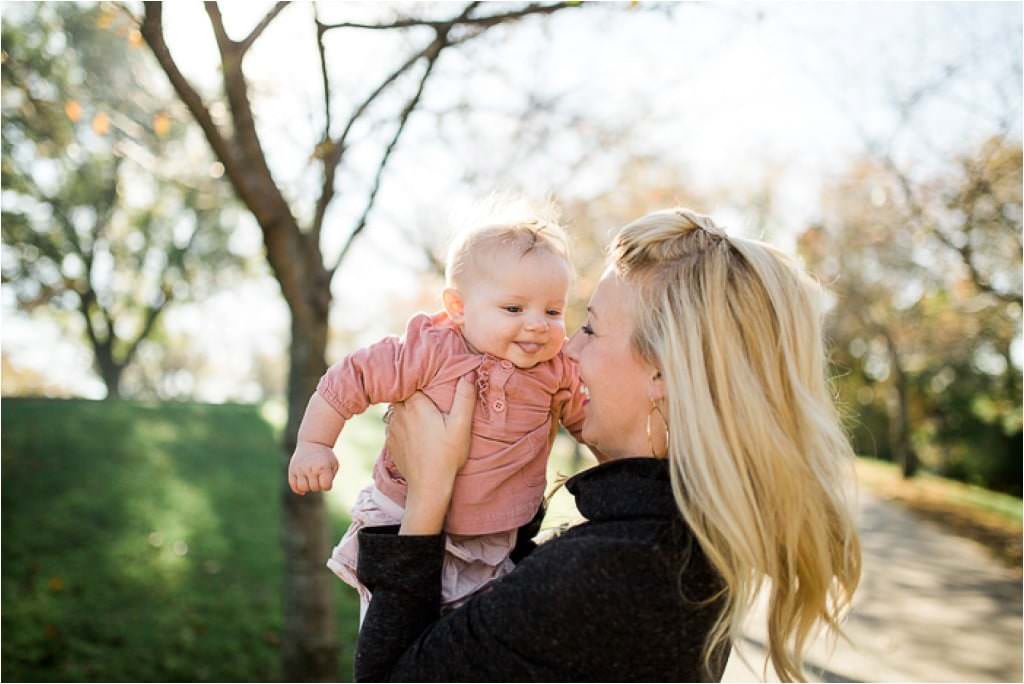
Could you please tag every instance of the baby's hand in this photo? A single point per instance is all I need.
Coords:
(312, 468)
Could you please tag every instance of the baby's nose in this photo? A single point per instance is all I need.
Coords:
(536, 324)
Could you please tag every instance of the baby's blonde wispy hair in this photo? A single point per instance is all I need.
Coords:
(504, 222)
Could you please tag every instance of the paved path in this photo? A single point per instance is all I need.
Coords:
(932, 606)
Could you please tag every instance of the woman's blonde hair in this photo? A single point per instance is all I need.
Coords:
(760, 464)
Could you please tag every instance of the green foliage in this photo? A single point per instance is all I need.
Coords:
(141, 543)
(927, 312)
(110, 210)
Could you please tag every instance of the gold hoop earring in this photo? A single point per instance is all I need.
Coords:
(650, 441)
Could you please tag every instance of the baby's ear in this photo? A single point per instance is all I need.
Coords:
(454, 305)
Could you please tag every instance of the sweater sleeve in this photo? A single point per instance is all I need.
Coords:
(558, 616)
(386, 371)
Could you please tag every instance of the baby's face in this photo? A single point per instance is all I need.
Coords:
(515, 306)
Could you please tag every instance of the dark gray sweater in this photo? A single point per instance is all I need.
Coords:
(611, 599)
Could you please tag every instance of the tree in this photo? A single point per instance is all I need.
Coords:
(296, 257)
(927, 292)
(90, 226)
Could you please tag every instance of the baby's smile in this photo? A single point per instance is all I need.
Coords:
(530, 347)
(514, 308)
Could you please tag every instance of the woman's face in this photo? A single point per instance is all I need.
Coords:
(618, 381)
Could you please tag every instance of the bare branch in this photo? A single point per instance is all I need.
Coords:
(85, 300)
(105, 208)
(335, 150)
(225, 45)
(108, 321)
(67, 226)
(236, 49)
(152, 32)
(110, 203)
(126, 11)
(323, 73)
(485, 22)
(255, 185)
(247, 42)
(152, 313)
(966, 250)
(409, 107)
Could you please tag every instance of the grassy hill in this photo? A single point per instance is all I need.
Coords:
(141, 542)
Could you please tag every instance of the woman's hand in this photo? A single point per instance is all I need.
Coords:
(429, 448)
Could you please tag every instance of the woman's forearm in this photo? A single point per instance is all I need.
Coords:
(429, 448)
(425, 509)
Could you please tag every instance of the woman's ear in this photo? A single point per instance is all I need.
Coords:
(656, 391)
(454, 305)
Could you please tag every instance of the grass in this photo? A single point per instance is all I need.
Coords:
(141, 542)
(992, 518)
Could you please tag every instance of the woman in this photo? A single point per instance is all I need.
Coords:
(723, 465)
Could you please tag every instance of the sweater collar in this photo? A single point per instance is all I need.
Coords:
(624, 488)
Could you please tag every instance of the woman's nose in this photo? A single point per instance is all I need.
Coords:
(572, 347)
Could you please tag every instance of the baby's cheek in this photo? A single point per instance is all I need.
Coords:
(558, 337)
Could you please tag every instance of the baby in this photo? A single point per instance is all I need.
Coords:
(504, 300)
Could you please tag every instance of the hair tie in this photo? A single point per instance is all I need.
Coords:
(702, 222)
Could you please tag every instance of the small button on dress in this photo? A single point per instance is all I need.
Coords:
(499, 405)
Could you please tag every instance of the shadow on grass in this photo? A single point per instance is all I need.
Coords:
(141, 542)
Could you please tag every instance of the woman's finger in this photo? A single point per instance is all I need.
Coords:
(393, 433)
(419, 404)
(461, 417)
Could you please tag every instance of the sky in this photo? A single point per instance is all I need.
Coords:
(733, 95)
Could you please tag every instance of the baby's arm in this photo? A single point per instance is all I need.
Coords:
(314, 464)
(388, 371)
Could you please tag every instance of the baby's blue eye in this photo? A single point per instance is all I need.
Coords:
(553, 312)
(513, 309)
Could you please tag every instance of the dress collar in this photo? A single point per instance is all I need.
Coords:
(625, 488)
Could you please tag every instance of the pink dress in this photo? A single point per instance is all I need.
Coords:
(502, 483)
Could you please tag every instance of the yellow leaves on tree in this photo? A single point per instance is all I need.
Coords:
(101, 123)
(73, 110)
(105, 19)
(161, 124)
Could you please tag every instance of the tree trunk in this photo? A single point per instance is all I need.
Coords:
(309, 647)
(109, 370)
(899, 419)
